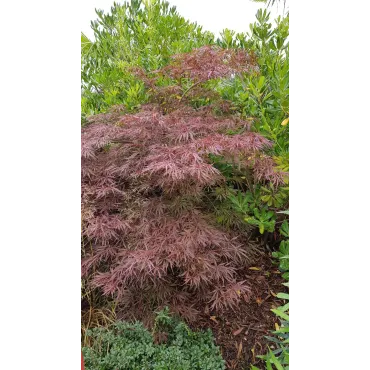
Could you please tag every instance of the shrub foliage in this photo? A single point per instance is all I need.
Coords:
(148, 181)
(135, 33)
(172, 347)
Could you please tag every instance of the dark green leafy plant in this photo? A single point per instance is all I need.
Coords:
(263, 219)
(170, 346)
(251, 208)
(283, 253)
(274, 197)
(242, 202)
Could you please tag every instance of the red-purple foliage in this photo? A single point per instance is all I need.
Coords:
(199, 66)
(144, 186)
(147, 183)
(265, 170)
(210, 62)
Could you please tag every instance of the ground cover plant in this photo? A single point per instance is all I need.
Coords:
(171, 345)
(185, 178)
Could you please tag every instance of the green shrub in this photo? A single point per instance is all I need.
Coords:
(136, 33)
(262, 98)
(263, 95)
(171, 346)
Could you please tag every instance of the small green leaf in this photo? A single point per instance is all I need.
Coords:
(261, 82)
(283, 295)
(269, 366)
(280, 314)
(275, 361)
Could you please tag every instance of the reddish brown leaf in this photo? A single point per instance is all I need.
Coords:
(237, 332)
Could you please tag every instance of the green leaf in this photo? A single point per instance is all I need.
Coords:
(275, 361)
(283, 295)
(261, 82)
(280, 314)
(282, 330)
(269, 366)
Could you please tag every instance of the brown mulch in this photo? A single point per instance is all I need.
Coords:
(240, 333)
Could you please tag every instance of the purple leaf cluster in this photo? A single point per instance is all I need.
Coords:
(151, 237)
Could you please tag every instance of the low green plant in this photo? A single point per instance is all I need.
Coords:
(243, 202)
(250, 206)
(170, 346)
(283, 253)
(277, 358)
(263, 219)
(282, 162)
(274, 197)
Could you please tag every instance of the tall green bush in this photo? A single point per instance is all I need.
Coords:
(265, 95)
(135, 34)
(262, 98)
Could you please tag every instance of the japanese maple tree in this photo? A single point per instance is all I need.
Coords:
(150, 235)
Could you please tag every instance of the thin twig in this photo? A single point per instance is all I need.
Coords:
(186, 91)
